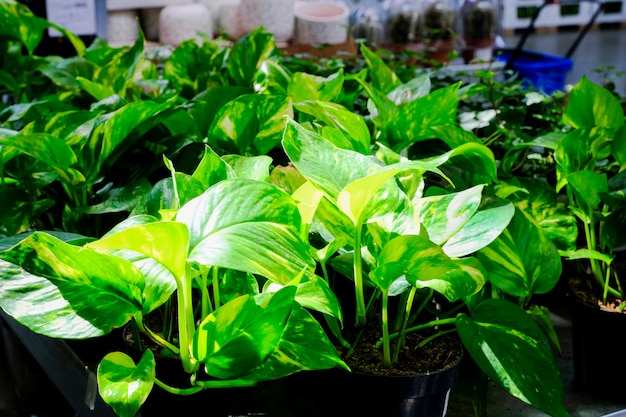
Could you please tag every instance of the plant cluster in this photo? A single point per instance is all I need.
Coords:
(270, 210)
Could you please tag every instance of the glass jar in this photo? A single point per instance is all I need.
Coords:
(479, 25)
(403, 21)
(439, 20)
(368, 21)
(439, 31)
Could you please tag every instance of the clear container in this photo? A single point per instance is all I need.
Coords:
(403, 21)
(439, 20)
(369, 21)
(479, 26)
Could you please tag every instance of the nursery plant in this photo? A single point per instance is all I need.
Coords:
(252, 256)
(232, 328)
(404, 239)
(589, 157)
(590, 160)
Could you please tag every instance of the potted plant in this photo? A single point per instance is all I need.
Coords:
(396, 244)
(439, 27)
(358, 211)
(589, 159)
(235, 341)
(479, 25)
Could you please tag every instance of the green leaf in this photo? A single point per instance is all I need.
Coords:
(481, 229)
(444, 215)
(303, 87)
(322, 163)
(543, 317)
(250, 124)
(522, 261)
(111, 132)
(316, 294)
(162, 197)
(383, 78)
(500, 336)
(592, 105)
(355, 133)
(166, 242)
(248, 54)
(97, 91)
(18, 23)
(587, 187)
(618, 146)
(425, 265)
(204, 106)
(589, 254)
(415, 120)
(415, 88)
(263, 239)
(240, 335)
(46, 148)
(303, 346)
(249, 167)
(124, 386)
(212, 169)
(118, 199)
(65, 291)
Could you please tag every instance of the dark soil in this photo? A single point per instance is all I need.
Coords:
(439, 354)
(582, 290)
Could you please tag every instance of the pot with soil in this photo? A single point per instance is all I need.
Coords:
(439, 29)
(402, 280)
(589, 156)
(598, 365)
(479, 24)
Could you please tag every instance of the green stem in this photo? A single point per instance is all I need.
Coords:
(433, 323)
(361, 313)
(434, 336)
(156, 337)
(405, 321)
(204, 294)
(177, 391)
(385, 324)
(216, 288)
(233, 383)
(186, 326)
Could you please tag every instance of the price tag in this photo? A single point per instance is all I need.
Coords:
(78, 16)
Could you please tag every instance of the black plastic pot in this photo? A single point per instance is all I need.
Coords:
(340, 393)
(599, 358)
(320, 393)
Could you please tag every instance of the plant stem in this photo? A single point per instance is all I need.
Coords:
(405, 321)
(216, 288)
(433, 323)
(361, 313)
(185, 321)
(434, 336)
(177, 391)
(233, 383)
(155, 337)
(385, 324)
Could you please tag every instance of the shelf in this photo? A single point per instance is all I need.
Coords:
(142, 4)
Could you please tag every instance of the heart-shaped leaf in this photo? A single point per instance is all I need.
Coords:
(500, 336)
(122, 384)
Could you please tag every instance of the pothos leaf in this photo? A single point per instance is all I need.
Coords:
(65, 291)
(500, 336)
(122, 384)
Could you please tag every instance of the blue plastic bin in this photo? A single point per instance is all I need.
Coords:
(546, 72)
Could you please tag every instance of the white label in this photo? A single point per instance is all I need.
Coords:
(77, 16)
